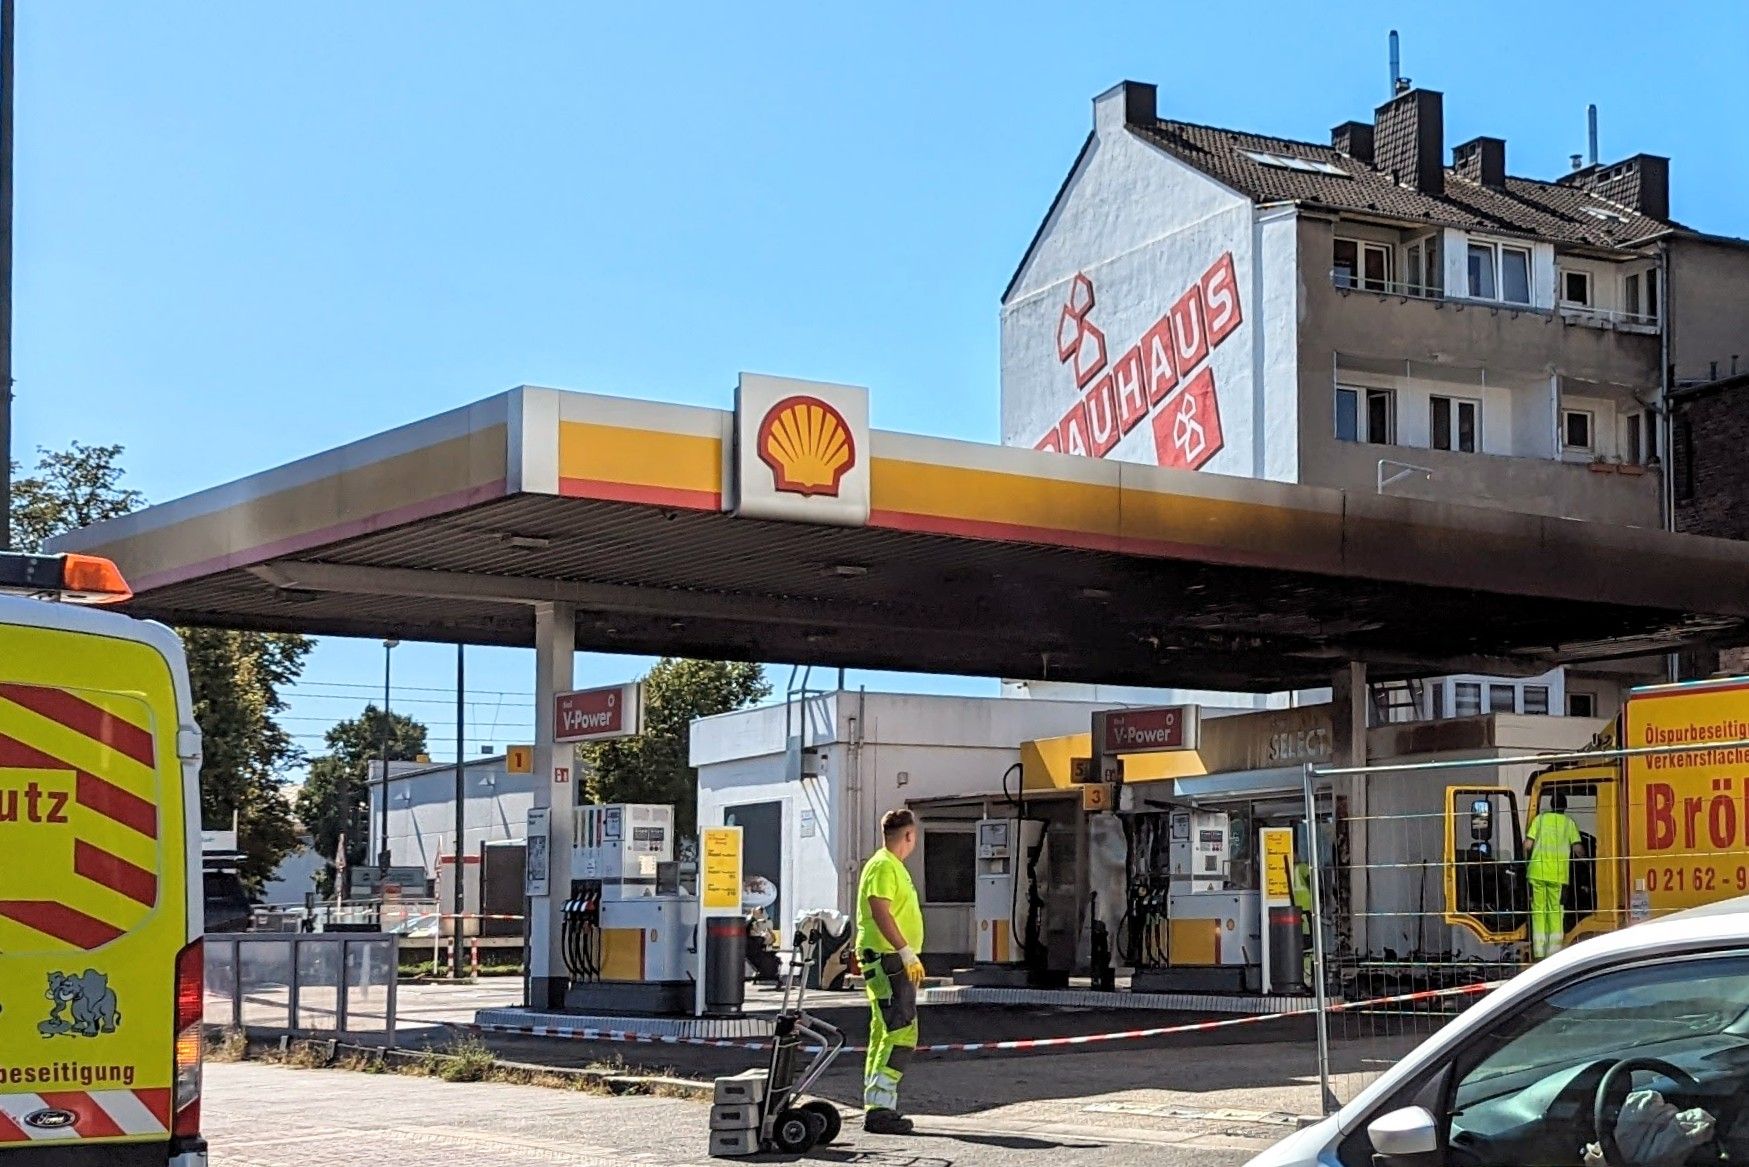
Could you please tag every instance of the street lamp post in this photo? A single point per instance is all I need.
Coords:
(383, 849)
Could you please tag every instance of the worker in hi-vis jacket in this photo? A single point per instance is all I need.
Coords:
(889, 931)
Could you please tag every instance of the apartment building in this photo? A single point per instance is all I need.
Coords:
(1362, 312)
(1370, 314)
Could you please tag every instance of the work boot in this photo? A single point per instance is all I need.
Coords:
(882, 1121)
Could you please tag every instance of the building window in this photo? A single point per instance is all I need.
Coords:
(1366, 415)
(1640, 295)
(1466, 699)
(1576, 429)
(1499, 272)
(1455, 424)
(1581, 705)
(1536, 700)
(1576, 288)
(949, 871)
(1515, 275)
(1633, 439)
(1502, 698)
(1482, 271)
(1363, 265)
(1652, 294)
(1421, 259)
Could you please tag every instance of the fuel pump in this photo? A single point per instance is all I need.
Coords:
(628, 927)
(1012, 856)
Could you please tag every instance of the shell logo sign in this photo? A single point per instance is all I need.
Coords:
(801, 451)
(808, 446)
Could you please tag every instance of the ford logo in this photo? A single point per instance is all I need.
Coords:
(52, 1119)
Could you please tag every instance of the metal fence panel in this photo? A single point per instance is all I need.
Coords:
(309, 982)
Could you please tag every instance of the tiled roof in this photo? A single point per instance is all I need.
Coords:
(1543, 210)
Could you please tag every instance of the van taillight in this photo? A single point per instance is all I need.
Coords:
(190, 1008)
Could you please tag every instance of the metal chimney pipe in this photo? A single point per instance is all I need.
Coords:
(1396, 69)
(1591, 123)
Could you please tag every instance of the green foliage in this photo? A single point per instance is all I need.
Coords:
(237, 677)
(336, 795)
(71, 488)
(653, 767)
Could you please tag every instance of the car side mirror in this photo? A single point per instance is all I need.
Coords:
(1404, 1136)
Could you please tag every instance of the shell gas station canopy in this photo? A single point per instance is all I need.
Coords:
(786, 530)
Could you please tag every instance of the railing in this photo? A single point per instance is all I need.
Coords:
(303, 982)
(1610, 317)
(1345, 281)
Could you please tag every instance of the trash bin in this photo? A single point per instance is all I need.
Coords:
(1287, 948)
(725, 960)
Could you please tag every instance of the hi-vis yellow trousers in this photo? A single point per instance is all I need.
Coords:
(1548, 922)
(892, 1029)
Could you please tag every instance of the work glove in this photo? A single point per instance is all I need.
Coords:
(913, 966)
(1651, 1132)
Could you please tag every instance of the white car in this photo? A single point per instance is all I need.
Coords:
(1634, 1045)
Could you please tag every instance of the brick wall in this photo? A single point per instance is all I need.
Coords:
(1708, 462)
(1709, 468)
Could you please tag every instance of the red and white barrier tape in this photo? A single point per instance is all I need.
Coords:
(473, 916)
(621, 1035)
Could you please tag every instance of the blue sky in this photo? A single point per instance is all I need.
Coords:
(249, 232)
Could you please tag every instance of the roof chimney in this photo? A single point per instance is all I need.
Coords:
(1482, 160)
(1409, 140)
(1642, 182)
(1139, 104)
(1591, 131)
(1354, 139)
(1128, 103)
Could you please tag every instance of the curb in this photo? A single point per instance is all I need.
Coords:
(612, 1081)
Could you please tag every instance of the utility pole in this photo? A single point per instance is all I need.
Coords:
(461, 817)
(7, 28)
(389, 647)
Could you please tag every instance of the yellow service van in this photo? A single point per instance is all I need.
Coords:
(100, 890)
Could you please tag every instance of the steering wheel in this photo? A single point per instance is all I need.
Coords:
(1612, 1093)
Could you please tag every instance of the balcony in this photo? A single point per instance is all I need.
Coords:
(1540, 486)
(1608, 319)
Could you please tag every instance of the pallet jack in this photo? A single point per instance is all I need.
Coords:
(759, 1110)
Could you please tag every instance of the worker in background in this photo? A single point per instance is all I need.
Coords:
(1554, 844)
(1301, 876)
(889, 931)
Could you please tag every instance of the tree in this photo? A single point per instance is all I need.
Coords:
(653, 767)
(71, 488)
(336, 795)
(237, 678)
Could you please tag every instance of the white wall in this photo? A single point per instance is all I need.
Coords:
(1146, 230)
(912, 748)
(422, 810)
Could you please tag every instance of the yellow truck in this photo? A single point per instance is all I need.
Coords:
(100, 890)
(1662, 829)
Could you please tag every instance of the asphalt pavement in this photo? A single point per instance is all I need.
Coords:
(259, 1115)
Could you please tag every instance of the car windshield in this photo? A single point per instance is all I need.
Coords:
(1615, 1015)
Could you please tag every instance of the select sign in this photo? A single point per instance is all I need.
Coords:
(593, 715)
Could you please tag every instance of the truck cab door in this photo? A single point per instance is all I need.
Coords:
(1484, 863)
